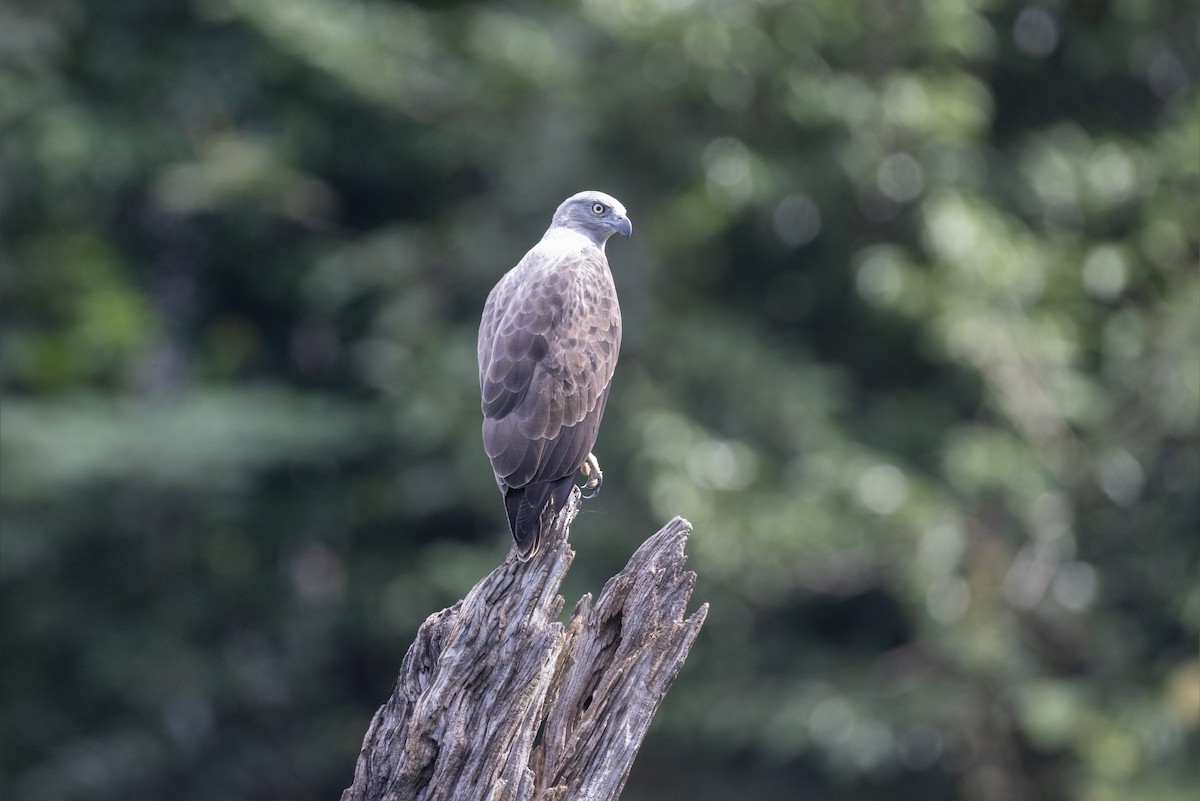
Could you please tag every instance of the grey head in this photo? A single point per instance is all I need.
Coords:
(593, 214)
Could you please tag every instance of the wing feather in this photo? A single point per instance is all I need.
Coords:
(548, 345)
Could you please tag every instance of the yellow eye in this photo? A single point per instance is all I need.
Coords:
(598, 208)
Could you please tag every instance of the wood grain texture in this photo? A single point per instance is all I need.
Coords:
(496, 699)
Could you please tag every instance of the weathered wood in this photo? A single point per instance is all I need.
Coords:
(497, 700)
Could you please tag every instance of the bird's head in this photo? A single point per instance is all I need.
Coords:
(593, 214)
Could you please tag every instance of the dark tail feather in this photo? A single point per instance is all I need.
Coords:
(526, 507)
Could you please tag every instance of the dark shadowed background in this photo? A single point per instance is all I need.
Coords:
(912, 321)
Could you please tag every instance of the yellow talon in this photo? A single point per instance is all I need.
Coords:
(590, 469)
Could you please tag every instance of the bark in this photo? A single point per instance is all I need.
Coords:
(497, 699)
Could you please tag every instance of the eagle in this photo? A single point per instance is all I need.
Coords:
(548, 345)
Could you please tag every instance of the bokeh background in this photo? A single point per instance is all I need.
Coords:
(912, 337)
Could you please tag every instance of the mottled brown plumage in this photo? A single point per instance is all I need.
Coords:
(548, 345)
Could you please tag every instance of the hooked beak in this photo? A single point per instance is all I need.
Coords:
(623, 226)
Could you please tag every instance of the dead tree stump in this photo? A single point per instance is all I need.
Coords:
(497, 700)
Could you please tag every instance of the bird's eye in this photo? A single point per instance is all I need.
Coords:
(598, 208)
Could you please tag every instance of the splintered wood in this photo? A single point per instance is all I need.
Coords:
(496, 699)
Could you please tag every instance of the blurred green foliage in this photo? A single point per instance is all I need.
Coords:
(912, 337)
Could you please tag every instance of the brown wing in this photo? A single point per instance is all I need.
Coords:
(548, 345)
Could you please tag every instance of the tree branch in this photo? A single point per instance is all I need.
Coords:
(497, 700)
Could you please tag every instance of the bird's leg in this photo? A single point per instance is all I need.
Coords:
(590, 469)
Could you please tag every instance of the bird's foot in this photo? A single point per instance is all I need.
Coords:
(590, 469)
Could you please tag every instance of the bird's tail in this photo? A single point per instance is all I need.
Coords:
(531, 508)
